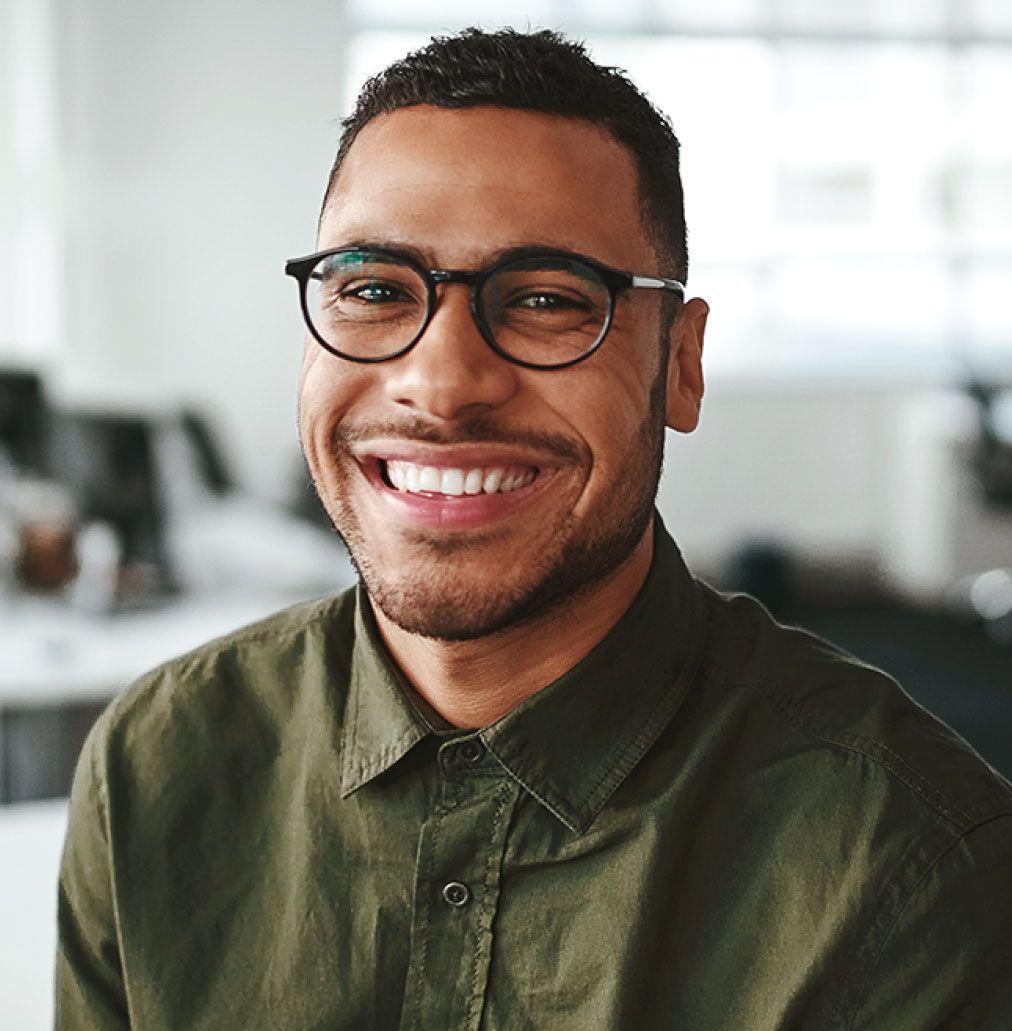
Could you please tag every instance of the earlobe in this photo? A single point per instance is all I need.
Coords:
(685, 366)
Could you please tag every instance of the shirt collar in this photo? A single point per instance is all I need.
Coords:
(571, 744)
(381, 724)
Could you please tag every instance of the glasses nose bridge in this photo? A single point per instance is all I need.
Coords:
(469, 279)
(449, 275)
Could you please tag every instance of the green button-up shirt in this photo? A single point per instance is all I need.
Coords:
(712, 821)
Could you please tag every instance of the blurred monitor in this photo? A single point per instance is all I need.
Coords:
(107, 459)
(24, 421)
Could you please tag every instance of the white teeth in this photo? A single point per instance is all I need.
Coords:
(395, 473)
(427, 479)
(452, 482)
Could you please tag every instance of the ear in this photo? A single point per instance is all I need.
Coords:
(685, 366)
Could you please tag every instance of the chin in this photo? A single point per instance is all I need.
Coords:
(447, 597)
(452, 606)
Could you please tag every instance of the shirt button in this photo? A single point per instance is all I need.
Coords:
(456, 894)
(472, 752)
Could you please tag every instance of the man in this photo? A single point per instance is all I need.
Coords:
(530, 773)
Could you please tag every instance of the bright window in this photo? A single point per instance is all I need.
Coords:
(847, 172)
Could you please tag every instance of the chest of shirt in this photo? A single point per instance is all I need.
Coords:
(443, 894)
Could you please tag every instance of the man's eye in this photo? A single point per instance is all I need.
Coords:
(548, 302)
(372, 293)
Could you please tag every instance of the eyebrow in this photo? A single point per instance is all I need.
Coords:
(424, 255)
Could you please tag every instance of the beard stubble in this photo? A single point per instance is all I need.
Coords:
(446, 608)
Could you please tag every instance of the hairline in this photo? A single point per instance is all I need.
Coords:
(654, 233)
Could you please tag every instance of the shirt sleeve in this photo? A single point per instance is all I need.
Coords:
(947, 960)
(89, 979)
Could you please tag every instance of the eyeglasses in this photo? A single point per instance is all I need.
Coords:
(540, 309)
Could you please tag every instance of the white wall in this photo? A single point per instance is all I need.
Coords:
(30, 193)
(197, 137)
(851, 470)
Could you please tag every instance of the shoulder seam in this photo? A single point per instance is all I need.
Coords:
(790, 706)
(914, 889)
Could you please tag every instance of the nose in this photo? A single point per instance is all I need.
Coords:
(451, 372)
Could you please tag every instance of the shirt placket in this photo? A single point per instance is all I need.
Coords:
(456, 894)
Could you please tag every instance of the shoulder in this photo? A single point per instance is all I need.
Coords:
(878, 808)
(238, 693)
(849, 709)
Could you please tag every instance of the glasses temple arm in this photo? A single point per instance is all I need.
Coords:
(652, 283)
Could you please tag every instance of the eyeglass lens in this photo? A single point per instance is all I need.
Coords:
(542, 311)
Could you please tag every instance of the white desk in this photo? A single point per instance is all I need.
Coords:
(52, 654)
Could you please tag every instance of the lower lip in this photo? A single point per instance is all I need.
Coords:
(446, 512)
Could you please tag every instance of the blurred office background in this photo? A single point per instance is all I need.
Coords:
(848, 174)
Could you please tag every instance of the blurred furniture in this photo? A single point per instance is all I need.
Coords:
(992, 460)
(109, 462)
(169, 554)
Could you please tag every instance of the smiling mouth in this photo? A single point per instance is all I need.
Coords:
(455, 482)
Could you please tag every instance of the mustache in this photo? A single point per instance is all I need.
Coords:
(475, 429)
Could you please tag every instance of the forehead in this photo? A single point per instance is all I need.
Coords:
(466, 182)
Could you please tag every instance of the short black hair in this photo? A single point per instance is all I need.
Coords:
(545, 72)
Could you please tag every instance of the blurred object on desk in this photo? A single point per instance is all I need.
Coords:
(107, 460)
(43, 519)
(38, 515)
(160, 483)
(133, 545)
(96, 587)
(218, 537)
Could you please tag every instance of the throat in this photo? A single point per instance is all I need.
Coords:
(473, 683)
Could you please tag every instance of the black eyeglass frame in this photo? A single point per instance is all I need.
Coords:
(616, 281)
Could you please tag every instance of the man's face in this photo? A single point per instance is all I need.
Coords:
(581, 447)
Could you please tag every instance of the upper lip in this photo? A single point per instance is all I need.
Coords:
(451, 456)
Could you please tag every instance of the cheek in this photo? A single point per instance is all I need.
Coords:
(328, 388)
(608, 407)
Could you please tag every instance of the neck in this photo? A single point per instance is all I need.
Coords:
(471, 684)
